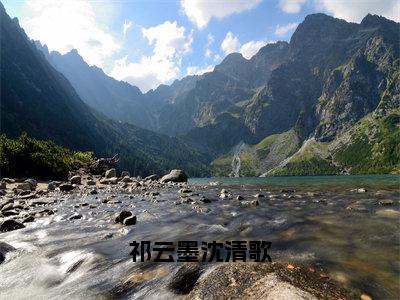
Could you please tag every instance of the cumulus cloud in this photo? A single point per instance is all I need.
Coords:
(356, 10)
(126, 26)
(195, 70)
(64, 25)
(232, 44)
(200, 12)
(282, 30)
(251, 48)
(291, 6)
(170, 44)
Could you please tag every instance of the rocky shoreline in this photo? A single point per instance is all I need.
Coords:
(25, 201)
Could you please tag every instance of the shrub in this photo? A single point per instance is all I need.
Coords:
(28, 157)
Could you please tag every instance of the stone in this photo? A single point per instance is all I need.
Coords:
(24, 186)
(239, 198)
(66, 187)
(76, 179)
(8, 180)
(28, 219)
(11, 212)
(122, 216)
(9, 225)
(153, 177)
(75, 216)
(175, 176)
(185, 279)
(184, 191)
(205, 200)
(111, 173)
(3, 185)
(51, 186)
(4, 248)
(386, 202)
(259, 196)
(129, 221)
(113, 180)
(361, 190)
(126, 179)
(93, 192)
(125, 174)
(91, 182)
(32, 182)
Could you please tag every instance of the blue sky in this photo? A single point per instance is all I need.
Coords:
(148, 43)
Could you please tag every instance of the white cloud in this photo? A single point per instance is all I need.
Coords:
(282, 30)
(170, 44)
(232, 44)
(208, 53)
(291, 6)
(195, 70)
(126, 26)
(210, 40)
(64, 25)
(251, 48)
(200, 12)
(356, 10)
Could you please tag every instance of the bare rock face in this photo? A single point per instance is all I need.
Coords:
(175, 176)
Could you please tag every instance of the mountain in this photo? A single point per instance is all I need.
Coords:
(289, 107)
(37, 99)
(335, 97)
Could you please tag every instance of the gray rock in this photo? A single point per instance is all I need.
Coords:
(24, 186)
(76, 179)
(239, 198)
(93, 192)
(175, 176)
(153, 177)
(125, 173)
(259, 196)
(129, 221)
(66, 187)
(122, 216)
(386, 202)
(91, 182)
(3, 185)
(9, 225)
(51, 186)
(113, 180)
(32, 182)
(4, 248)
(111, 173)
(28, 219)
(184, 191)
(11, 212)
(126, 179)
(75, 216)
(185, 279)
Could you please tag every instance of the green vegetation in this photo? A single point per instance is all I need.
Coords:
(311, 166)
(27, 157)
(374, 146)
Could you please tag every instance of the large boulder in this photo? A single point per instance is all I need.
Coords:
(66, 187)
(9, 225)
(75, 179)
(175, 176)
(24, 186)
(32, 182)
(122, 216)
(111, 173)
(125, 173)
